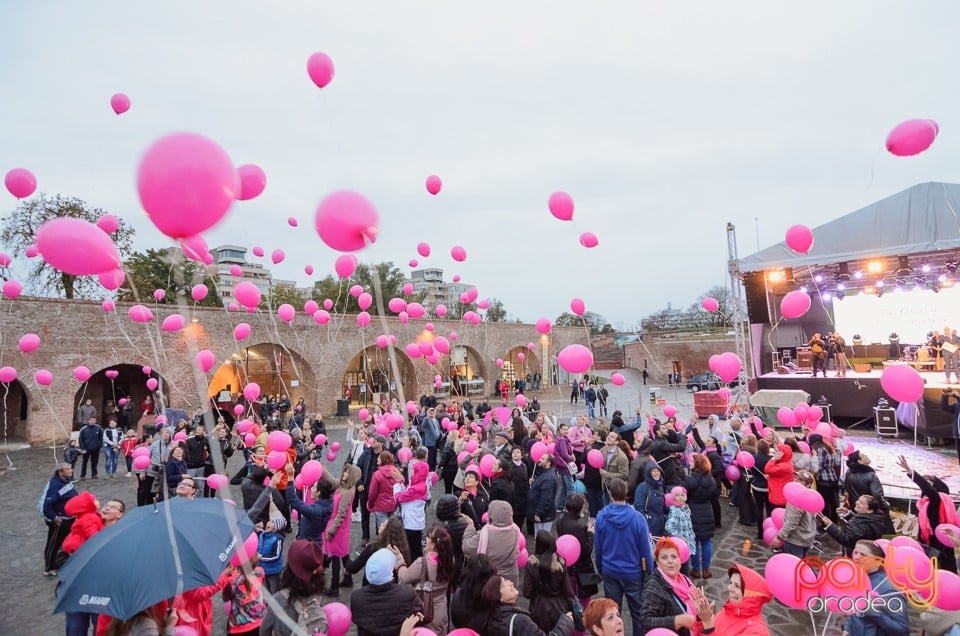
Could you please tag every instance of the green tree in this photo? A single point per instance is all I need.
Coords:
(169, 270)
(20, 231)
(594, 322)
(496, 312)
(337, 290)
(280, 295)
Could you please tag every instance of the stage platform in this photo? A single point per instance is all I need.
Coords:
(855, 395)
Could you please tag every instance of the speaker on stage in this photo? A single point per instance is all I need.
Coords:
(755, 289)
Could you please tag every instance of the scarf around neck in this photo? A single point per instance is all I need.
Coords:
(682, 588)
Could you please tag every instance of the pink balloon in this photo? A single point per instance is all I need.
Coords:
(76, 247)
(43, 377)
(277, 256)
(568, 547)
(257, 251)
(140, 313)
(346, 221)
(120, 103)
(233, 307)
(396, 305)
(238, 409)
(433, 187)
(363, 319)
(537, 450)
(407, 288)
(251, 392)
(413, 263)
(669, 410)
(107, 306)
(286, 312)
(20, 182)
(912, 137)
(561, 206)
(577, 306)
(458, 253)
(205, 360)
(339, 618)
(811, 501)
(786, 416)
(902, 383)
(589, 239)
(173, 322)
(575, 358)
(364, 301)
(849, 449)
(522, 557)
(7, 374)
(814, 413)
(732, 473)
(308, 270)
(355, 291)
(710, 304)
(423, 249)
(801, 412)
(745, 459)
(141, 462)
(11, 289)
(236, 270)
(456, 278)
(198, 292)
(499, 362)
(279, 440)
(795, 304)
(152, 384)
(195, 248)
(81, 373)
(617, 379)
(799, 238)
(159, 294)
(320, 69)
(241, 331)
(728, 366)
(595, 458)
(4, 260)
(453, 336)
(310, 307)
(543, 325)
(327, 304)
(111, 373)
(245, 551)
(321, 316)
(292, 221)
(345, 265)
(187, 183)
(217, 481)
(521, 356)
(312, 470)
(31, 251)
(777, 516)
(253, 180)
(108, 223)
(948, 591)
(29, 342)
(440, 310)
(247, 294)
(415, 310)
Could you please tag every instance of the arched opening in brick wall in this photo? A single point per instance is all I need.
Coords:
(519, 363)
(370, 379)
(277, 369)
(466, 371)
(13, 416)
(108, 386)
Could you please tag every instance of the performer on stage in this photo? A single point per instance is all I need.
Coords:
(950, 346)
(935, 345)
(819, 349)
(838, 348)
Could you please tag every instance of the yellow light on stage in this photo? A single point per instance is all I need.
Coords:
(947, 283)
(775, 277)
(425, 335)
(875, 267)
(869, 290)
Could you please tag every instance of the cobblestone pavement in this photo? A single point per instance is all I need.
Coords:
(28, 596)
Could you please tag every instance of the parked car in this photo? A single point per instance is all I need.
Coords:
(704, 382)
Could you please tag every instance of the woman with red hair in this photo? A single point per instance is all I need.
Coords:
(669, 597)
(602, 618)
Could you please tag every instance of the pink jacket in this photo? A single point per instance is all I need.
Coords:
(380, 498)
(579, 438)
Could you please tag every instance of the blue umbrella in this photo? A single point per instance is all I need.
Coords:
(205, 533)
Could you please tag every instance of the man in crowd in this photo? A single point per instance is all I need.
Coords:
(59, 490)
(85, 412)
(198, 451)
(663, 451)
(90, 443)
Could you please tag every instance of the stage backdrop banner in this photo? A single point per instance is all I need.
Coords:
(909, 314)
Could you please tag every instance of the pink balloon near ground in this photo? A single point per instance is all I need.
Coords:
(795, 304)
(799, 238)
(29, 342)
(728, 366)
(458, 254)
(433, 185)
(577, 306)
(589, 239)
(20, 182)
(77, 247)
(253, 180)
(575, 358)
(710, 304)
(902, 383)
(186, 183)
(346, 221)
(120, 103)
(912, 137)
(561, 206)
(320, 69)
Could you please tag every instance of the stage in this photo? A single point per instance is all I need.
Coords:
(855, 395)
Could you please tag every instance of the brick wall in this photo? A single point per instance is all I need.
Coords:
(658, 355)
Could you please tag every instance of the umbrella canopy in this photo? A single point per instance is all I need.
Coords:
(203, 535)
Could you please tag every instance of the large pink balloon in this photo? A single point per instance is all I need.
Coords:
(786, 416)
(415, 310)
(543, 326)
(577, 306)
(81, 373)
(173, 322)
(76, 247)
(253, 180)
(187, 183)
(140, 313)
(355, 290)
(781, 573)
(247, 294)
(589, 239)
(7, 374)
(433, 187)
(799, 238)
(710, 304)
(458, 253)
(561, 206)
(11, 289)
(120, 103)
(595, 458)
(795, 304)
(29, 342)
(617, 379)
(320, 69)
(902, 383)
(339, 618)
(108, 223)
(347, 221)
(568, 547)
(251, 392)
(199, 291)
(43, 377)
(346, 265)
(286, 312)
(241, 331)
(20, 182)
(205, 360)
(728, 366)
(321, 316)
(575, 358)
(912, 137)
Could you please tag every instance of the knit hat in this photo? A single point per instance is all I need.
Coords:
(379, 569)
(279, 521)
(448, 508)
(305, 559)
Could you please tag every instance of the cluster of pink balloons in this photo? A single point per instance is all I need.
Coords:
(726, 365)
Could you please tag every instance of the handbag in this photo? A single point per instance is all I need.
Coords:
(576, 608)
(425, 593)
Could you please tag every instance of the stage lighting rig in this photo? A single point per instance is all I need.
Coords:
(843, 273)
(903, 266)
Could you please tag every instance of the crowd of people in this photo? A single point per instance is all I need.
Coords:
(576, 516)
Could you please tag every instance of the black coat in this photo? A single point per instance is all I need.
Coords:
(584, 565)
(520, 477)
(662, 452)
(502, 488)
(379, 610)
(659, 604)
(860, 526)
(591, 476)
(542, 501)
(523, 625)
(700, 491)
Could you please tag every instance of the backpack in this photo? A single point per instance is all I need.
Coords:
(309, 616)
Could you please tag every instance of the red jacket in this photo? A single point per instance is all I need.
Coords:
(380, 496)
(87, 523)
(195, 608)
(779, 474)
(746, 617)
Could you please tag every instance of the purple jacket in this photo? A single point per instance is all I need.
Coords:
(563, 454)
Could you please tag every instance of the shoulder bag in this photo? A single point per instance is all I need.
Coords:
(425, 592)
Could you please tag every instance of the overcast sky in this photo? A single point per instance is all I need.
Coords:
(662, 121)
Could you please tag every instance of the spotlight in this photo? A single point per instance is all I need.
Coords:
(858, 275)
(880, 284)
(804, 289)
(818, 278)
(925, 269)
(841, 287)
(875, 267)
(942, 278)
(827, 296)
(840, 293)
(775, 277)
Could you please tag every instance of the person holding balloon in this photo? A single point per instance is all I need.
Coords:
(862, 479)
(669, 600)
(866, 523)
(889, 618)
(935, 507)
(799, 529)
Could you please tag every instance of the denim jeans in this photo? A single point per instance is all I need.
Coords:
(702, 559)
(379, 518)
(111, 457)
(615, 588)
(795, 550)
(566, 488)
(79, 623)
(591, 413)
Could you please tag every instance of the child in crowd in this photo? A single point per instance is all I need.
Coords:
(679, 524)
(126, 447)
(72, 452)
(247, 608)
(270, 551)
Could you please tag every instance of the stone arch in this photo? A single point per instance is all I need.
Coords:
(519, 362)
(470, 370)
(105, 393)
(14, 416)
(278, 370)
(369, 377)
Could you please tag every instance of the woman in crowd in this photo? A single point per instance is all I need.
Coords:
(433, 572)
(390, 533)
(889, 618)
(801, 460)
(934, 507)
(455, 523)
(828, 460)
(175, 468)
(336, 536)
(507, 619)
(545, 582)
(413, 502)
(301, 591)
(668, 595)
(742, 614)
(465, 608)
(651, 500)
(760, 487)
(799, 529)
(711, 450)
(779, 472)
(575, 522)
(499, 540)
(447, 461)
(380, 498)
(520, 476)
(474, 500)
(861, 479)
(701, 489)
(866, 523)
(602, 618)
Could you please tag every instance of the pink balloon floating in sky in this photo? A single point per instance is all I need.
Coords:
(434, 184)
(561, 206)
(252, 181)
(347, 221)
(20, 182)
(120, 103)
(912, 137)
(320, 69)
(589, 239)
(458, 254)
(799, 238)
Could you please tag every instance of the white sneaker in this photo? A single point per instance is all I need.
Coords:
(356, 516)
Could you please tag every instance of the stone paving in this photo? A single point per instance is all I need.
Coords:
(28, 596)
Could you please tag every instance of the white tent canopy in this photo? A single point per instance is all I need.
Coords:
(924, 218)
